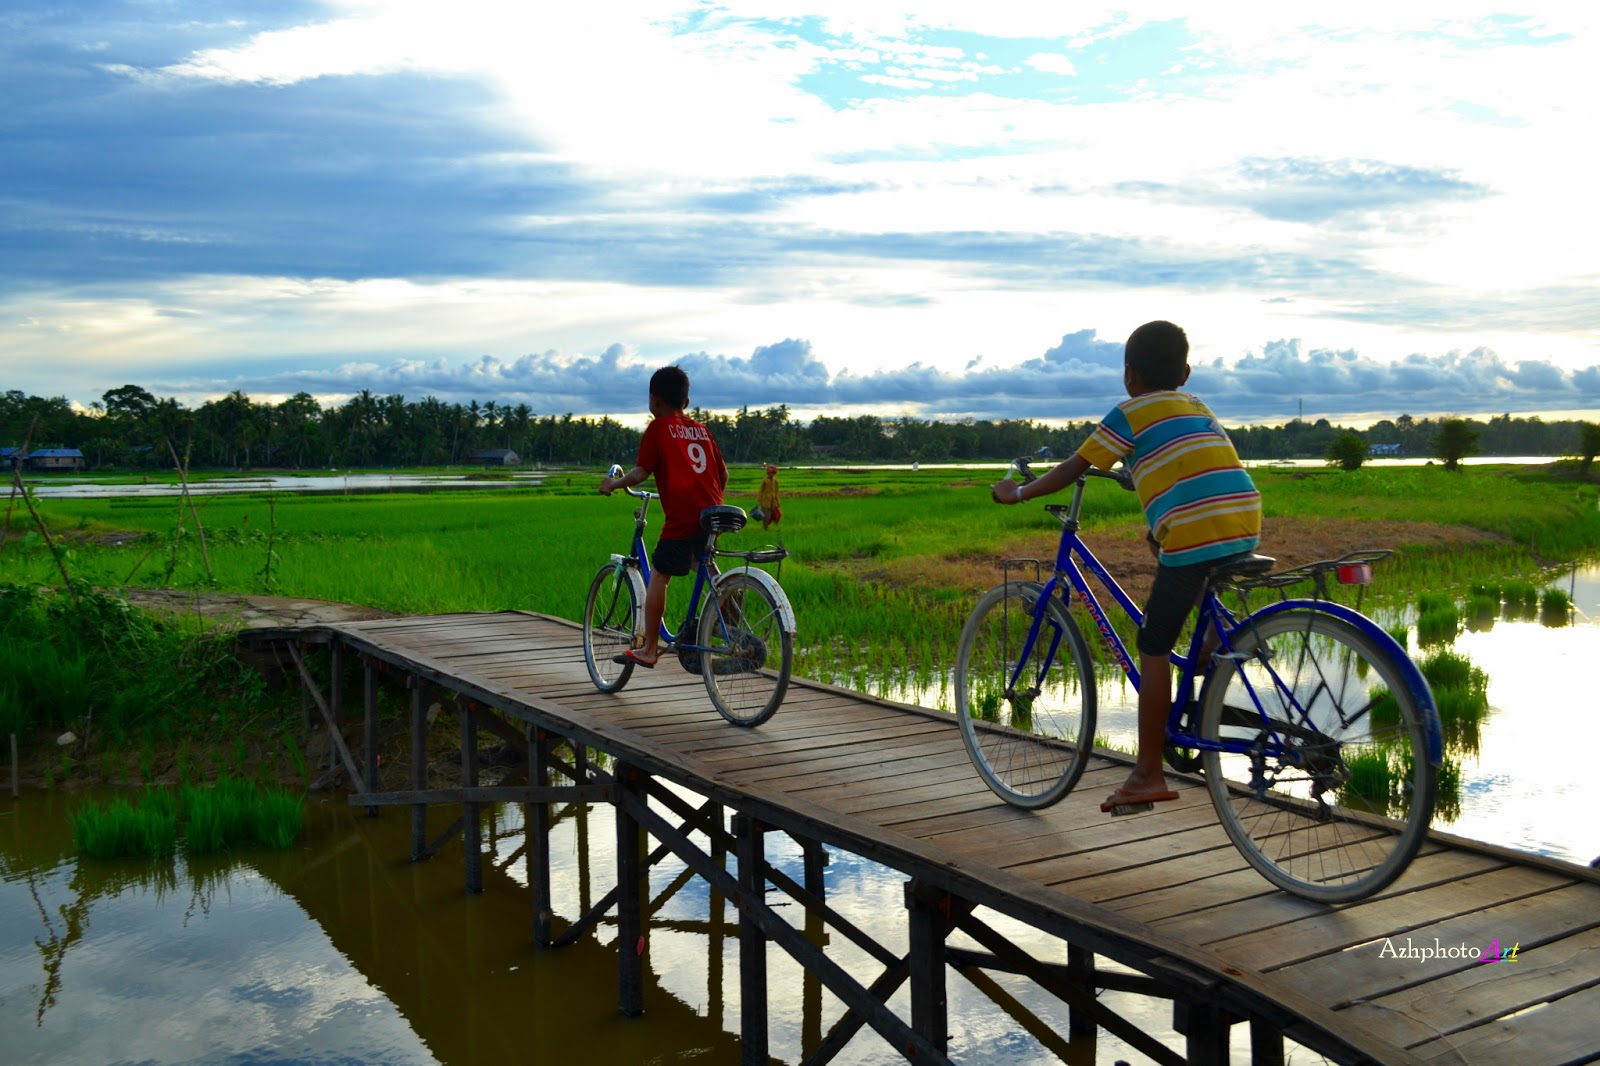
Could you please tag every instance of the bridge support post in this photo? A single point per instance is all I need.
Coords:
(1266, 1044)
(419, 767)
(630, 895)
(929, 910)
(1206, 1028)
(369, 726)
(335, 698)
(749, 839)
(536, 818)
(1080, 974)
(471, 812)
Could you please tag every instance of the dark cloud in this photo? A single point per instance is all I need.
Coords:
(1076, 379)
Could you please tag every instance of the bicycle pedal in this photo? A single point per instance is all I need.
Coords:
(1131, 808)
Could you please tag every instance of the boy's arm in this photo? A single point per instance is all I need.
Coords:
(1057, 478)
(608, 485)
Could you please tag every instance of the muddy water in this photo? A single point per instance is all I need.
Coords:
(341, 951)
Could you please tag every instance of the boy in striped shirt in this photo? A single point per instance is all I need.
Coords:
(1199, 501)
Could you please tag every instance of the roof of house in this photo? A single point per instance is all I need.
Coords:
(55, 453)
(491, 453)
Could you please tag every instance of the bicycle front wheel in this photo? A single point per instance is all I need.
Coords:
(1329, 790)
(746, 654)
(1027, 719)
(609, 617)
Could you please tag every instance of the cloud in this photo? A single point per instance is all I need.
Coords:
(1079, 378)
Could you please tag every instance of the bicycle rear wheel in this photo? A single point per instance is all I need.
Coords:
(1334, 797)
(1028, 739)
(609, 617)
(746, 654)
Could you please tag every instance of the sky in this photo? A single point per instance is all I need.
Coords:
(940, 209)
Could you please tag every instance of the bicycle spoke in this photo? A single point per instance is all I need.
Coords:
(1325, 795)
(746, 653)
(608, 620)
(1028, 744)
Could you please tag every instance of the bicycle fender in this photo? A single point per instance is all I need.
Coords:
(773, 589)
(1420, 690)
(638, 589)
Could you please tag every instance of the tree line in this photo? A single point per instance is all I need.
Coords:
(131, 428)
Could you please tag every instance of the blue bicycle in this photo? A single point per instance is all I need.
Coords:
(741, 642)
(1316, 734)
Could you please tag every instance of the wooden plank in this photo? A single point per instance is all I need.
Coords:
(1288, 932)
(1562, 1031)
(1411, 999)
(1464, 998)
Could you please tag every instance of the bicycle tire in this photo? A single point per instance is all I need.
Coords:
(746, 653)
(1342, 816)
(1030, 748)
(610, 614)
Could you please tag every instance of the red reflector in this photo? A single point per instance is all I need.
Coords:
(1355, 574)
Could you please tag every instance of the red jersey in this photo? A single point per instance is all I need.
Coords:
(688, 468)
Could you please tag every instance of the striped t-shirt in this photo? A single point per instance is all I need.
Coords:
(1198, 499)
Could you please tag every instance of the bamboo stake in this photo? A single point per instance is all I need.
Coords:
(44, 531)
(16, 481)
(183, 481)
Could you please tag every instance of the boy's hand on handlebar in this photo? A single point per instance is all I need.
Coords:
(1005, 492)
(608, 485)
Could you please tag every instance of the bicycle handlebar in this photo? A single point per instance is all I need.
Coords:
(616, 471)
(1020, 465)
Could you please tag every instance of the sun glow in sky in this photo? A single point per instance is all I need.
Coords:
(956, 210)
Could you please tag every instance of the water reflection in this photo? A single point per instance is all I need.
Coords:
(340, 950)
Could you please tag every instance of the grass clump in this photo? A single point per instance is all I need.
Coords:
(121, 829)
(235, 812)
(1437, 619)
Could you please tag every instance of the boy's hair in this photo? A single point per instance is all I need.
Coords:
(671, 386)
(1158, 351)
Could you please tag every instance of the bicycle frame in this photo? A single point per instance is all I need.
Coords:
(1213, 617)
(704, 573)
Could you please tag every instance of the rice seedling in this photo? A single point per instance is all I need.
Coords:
(121, 829)
(1555, 601)
(1437, 619)
(235, 812)
(1372, 780)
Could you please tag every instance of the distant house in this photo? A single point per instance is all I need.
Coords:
(10, 456)
(1383, 449)
(495, 457)
(822, 451)
(55, 459)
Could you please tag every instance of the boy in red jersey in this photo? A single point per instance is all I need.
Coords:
(690, 476)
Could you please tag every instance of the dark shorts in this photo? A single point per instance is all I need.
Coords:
(676, 556)
(1173, 595)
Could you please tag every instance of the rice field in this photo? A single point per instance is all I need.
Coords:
(885, 564)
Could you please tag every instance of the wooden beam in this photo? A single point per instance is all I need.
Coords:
(310, 686)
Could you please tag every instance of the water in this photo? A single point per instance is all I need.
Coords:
(333, 483)
(341, 951)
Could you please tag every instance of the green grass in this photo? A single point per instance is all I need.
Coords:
(232, 813)
(122, 829)
(885, 566)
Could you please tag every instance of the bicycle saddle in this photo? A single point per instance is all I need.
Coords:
(1245, 564)
(723, 518)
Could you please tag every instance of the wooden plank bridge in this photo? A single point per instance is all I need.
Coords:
(1392, 979)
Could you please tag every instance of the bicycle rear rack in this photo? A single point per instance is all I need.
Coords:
(1352, 568)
